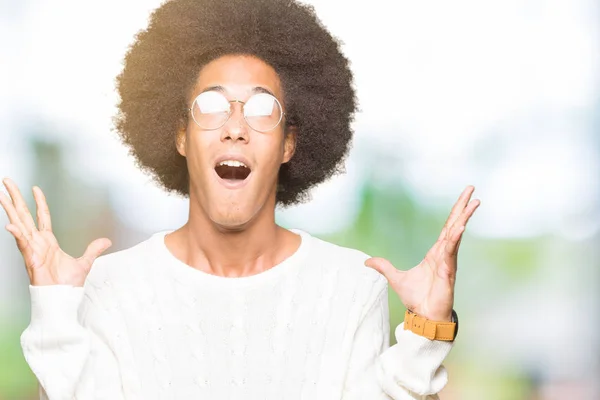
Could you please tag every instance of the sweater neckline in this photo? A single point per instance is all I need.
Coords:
(187, 272)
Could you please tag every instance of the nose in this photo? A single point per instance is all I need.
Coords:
(236, 127)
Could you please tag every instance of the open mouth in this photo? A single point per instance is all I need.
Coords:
(232, 170)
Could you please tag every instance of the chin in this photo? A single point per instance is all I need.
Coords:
(232, 217)
(234, 204)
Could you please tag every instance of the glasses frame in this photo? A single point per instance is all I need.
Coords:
(231, 110)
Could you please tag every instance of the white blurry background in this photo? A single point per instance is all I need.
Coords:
(504, 95)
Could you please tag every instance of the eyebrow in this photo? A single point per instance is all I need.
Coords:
(221, 89)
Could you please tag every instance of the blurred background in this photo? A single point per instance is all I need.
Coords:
(501, 94)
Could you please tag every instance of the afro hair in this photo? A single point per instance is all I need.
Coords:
(162, 65)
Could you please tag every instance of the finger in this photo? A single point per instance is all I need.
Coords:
(12, 214)
(453, 244)
(23, 244)
(459, 228)
(94, 250)
(459, 206)
(438, 247)
(464, 217)
(18, 235)
(20, 205)
(43, 212)
(383, 266)
(443, 234)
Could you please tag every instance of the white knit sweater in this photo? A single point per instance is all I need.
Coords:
(147, 326)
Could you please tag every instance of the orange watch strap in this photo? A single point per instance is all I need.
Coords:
(432, 330)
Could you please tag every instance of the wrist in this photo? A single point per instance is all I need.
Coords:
(432, 329)
(54, 305)
(445, 316)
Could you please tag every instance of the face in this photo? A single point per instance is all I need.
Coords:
(233, 169)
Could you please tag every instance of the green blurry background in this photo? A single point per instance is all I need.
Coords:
(503, 95)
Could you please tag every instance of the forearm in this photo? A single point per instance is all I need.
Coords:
(371, 386)
(413, 365)
(54, 344)
(67, 358)
(410, 370)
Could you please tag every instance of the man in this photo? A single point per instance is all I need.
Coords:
(240, 105)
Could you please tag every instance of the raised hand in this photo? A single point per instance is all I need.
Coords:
(428, 288)
(45, 261)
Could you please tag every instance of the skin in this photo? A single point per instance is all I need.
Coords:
(221, 218)
(428, 288)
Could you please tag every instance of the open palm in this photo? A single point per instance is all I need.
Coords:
(428, 288)
(45, 261)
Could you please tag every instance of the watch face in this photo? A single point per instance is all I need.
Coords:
(455, 320)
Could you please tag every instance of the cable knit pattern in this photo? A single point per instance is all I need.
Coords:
(147, 326)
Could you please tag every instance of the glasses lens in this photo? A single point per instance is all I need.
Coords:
(210, 110)
(262, 112)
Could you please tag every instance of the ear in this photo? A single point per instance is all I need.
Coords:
(289, 143)
(180, 141)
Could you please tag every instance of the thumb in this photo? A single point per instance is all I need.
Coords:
(381, 265)
(94, 250)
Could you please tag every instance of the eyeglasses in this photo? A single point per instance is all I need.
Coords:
(211, 110)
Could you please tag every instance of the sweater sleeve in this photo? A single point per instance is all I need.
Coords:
(67, 345)
(410, 370)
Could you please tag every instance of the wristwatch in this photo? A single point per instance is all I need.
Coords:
(432, 330)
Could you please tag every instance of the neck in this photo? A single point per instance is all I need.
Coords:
(258, 246)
